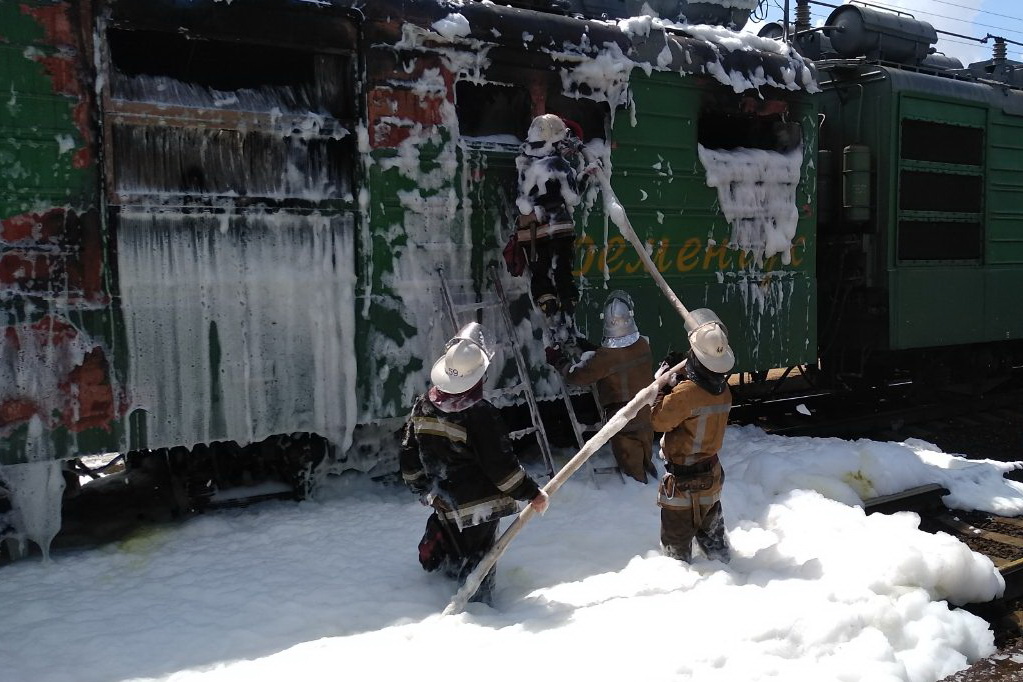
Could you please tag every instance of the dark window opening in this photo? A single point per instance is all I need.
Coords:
(921, 240)
(942, 143)
(589, 114)
(203, 161)
(719, 130)
(942, 192)
(490, 109)
(168, 67)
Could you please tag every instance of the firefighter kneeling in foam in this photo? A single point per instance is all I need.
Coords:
(692, 413)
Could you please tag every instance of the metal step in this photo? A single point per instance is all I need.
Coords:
(515, 435)
(470, 307)
(514, 389)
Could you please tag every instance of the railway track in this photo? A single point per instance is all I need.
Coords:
(893, 412)
(986, 425)
(1000, 539)
(997, 537)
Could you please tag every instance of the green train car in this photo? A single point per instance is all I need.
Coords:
(225, 225)
(920, 241)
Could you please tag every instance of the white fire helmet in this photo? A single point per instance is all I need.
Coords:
(546, 129)
(464, 362)
(620, 328)
(708, 338)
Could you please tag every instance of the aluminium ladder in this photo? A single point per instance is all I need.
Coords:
(524, 386)
(578, 430)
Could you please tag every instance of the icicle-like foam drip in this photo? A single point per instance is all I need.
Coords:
(757, 193)
(36, 490)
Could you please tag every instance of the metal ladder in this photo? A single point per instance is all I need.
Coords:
(524, 386)
(577, 429)
(612, 468)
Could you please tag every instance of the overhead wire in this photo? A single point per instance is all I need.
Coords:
(978, 10)
(967, 21)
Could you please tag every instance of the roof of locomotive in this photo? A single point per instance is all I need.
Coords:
(958, 84)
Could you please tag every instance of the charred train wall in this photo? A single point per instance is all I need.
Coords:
(226, 220)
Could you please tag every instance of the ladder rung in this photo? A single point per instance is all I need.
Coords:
(507, 390)
(467, 307)
(515, 435)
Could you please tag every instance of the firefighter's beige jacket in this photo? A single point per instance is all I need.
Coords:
(693, 422)
(620, 373)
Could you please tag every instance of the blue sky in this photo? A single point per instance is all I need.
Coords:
(975, 18)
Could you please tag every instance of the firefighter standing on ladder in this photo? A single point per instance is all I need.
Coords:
(692, 412)
(551, 171)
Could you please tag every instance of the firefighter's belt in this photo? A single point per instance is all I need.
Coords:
(694, 483)
(683, 471)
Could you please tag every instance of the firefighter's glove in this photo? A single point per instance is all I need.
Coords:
(540, 502)
(670, 360)
(555, 357)
(670, 384)
(514, 256)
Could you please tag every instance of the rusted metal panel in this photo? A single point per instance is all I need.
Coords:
(58, 252)
(57, 329)
(71, 375)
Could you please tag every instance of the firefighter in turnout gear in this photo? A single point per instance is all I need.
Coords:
(456, 455)
(621, 367)
(550, 172)
(692, 413)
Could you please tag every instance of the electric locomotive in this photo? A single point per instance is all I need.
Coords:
(920, 235)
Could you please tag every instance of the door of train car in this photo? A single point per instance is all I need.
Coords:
(230, 165)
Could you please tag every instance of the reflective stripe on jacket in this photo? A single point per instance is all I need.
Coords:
(693, 422)
(465, 460)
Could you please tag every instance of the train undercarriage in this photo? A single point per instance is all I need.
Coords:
(105, 498)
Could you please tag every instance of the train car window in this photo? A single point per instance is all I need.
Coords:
(940, 207)
(214, 64)
(591, 116)
(721, 130)
(941, 192)
(489, 109)
(167, 67)
(945, 241)
(190, 116)
(942, 143)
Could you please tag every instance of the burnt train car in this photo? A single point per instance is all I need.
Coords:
(228, 227)
(921, 213)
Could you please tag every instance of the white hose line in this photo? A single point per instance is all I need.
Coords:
(613, 426)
